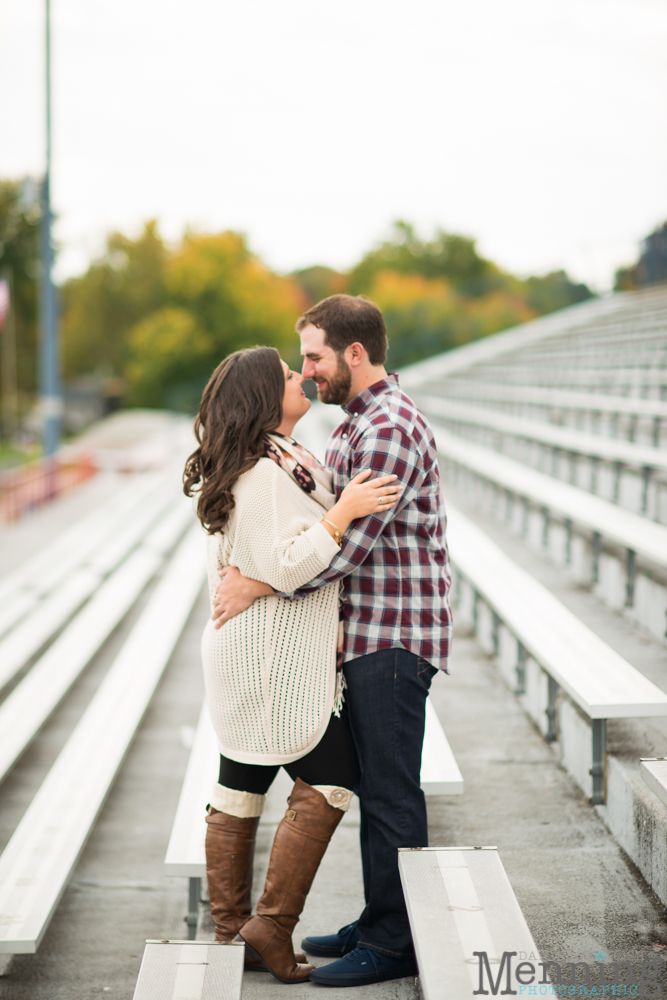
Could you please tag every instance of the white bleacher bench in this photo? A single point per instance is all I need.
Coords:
(25, 586)
(87, 566)
(31, 702)
(185, 857)
(481, 392)
(630, 380)
(602, 683)
(519, 338)
(461, 905)
(189, 970)
(639, 537)
(593, 446)
(38, 861)
(653, 771)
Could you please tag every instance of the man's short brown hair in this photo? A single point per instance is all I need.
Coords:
(349, 319)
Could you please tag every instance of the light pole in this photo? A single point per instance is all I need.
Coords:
(50, 401)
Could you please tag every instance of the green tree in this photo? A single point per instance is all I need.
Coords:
(100, 307)
(554, 291)
(220, 297)
(426, 316)
(447, 256)
(167, 349)
(19, 255)
(318, 282)
(651, 268)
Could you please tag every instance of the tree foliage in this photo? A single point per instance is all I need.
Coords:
(99, 309)
(163, 317)
(426, 316)
(447, 256)
(651, 268)
(439, 293)
(220, 298)
(318, 282)
(19, 257)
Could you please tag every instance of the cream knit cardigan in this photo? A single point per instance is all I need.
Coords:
(270, 672)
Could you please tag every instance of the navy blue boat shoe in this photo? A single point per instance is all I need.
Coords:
(362, 967)
(333, 945)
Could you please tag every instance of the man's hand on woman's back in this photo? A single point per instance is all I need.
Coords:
(234, 594)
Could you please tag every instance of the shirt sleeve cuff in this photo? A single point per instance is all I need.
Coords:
(322, 542)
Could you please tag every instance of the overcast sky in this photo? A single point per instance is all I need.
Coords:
(537, 126)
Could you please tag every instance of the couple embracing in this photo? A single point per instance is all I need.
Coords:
(329, 587)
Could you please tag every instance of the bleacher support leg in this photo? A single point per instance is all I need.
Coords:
(646, 480)
(597, 770)
(594, 474)
(618, 468)
(551, 734)
(545, 527)
(573, 468)
(631, 576)
(495, 636)
(192, 919)
(595, 561)
(521, 657)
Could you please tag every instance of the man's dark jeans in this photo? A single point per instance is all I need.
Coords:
(385, 704)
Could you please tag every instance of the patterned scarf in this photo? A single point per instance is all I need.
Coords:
(317, 481)
(301, 466)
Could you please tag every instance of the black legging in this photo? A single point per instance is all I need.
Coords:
(330, 763)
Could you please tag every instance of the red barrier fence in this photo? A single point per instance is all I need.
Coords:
(29, 486)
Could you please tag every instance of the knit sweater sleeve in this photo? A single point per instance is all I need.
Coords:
(277, 537)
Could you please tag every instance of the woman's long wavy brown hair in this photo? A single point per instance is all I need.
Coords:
(241, 403)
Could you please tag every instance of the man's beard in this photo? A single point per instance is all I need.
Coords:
(337, 388)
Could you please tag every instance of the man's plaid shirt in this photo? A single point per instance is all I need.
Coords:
(394, 565)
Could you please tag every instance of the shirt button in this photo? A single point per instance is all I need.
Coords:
(344, 435)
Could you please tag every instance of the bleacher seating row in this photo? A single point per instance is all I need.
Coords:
(557, 430)
(621, 555)
(613, 346)
(627, 474)
(37, 863)
(638, 420)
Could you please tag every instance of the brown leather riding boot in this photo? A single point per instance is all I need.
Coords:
(230, 848)
(298, 847)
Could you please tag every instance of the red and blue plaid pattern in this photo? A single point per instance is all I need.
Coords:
(394, 565)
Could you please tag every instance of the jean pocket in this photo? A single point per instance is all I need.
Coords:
(425, 672)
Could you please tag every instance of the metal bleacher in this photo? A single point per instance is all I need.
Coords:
(555, 431)
(581, 474)
(59, 608)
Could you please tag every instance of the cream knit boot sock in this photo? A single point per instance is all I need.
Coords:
(339, 798)
(245, 805)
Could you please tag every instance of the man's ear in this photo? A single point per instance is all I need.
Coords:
(355, 354)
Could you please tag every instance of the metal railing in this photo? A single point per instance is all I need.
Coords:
(24, 489)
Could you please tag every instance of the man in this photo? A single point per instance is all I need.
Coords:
(395, 575)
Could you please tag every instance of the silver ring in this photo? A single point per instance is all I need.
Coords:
(381, 500)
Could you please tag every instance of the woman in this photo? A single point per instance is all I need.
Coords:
(270, 672)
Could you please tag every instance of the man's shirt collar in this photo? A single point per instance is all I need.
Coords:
(364, 399)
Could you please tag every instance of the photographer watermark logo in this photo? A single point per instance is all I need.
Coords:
(606, 979)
